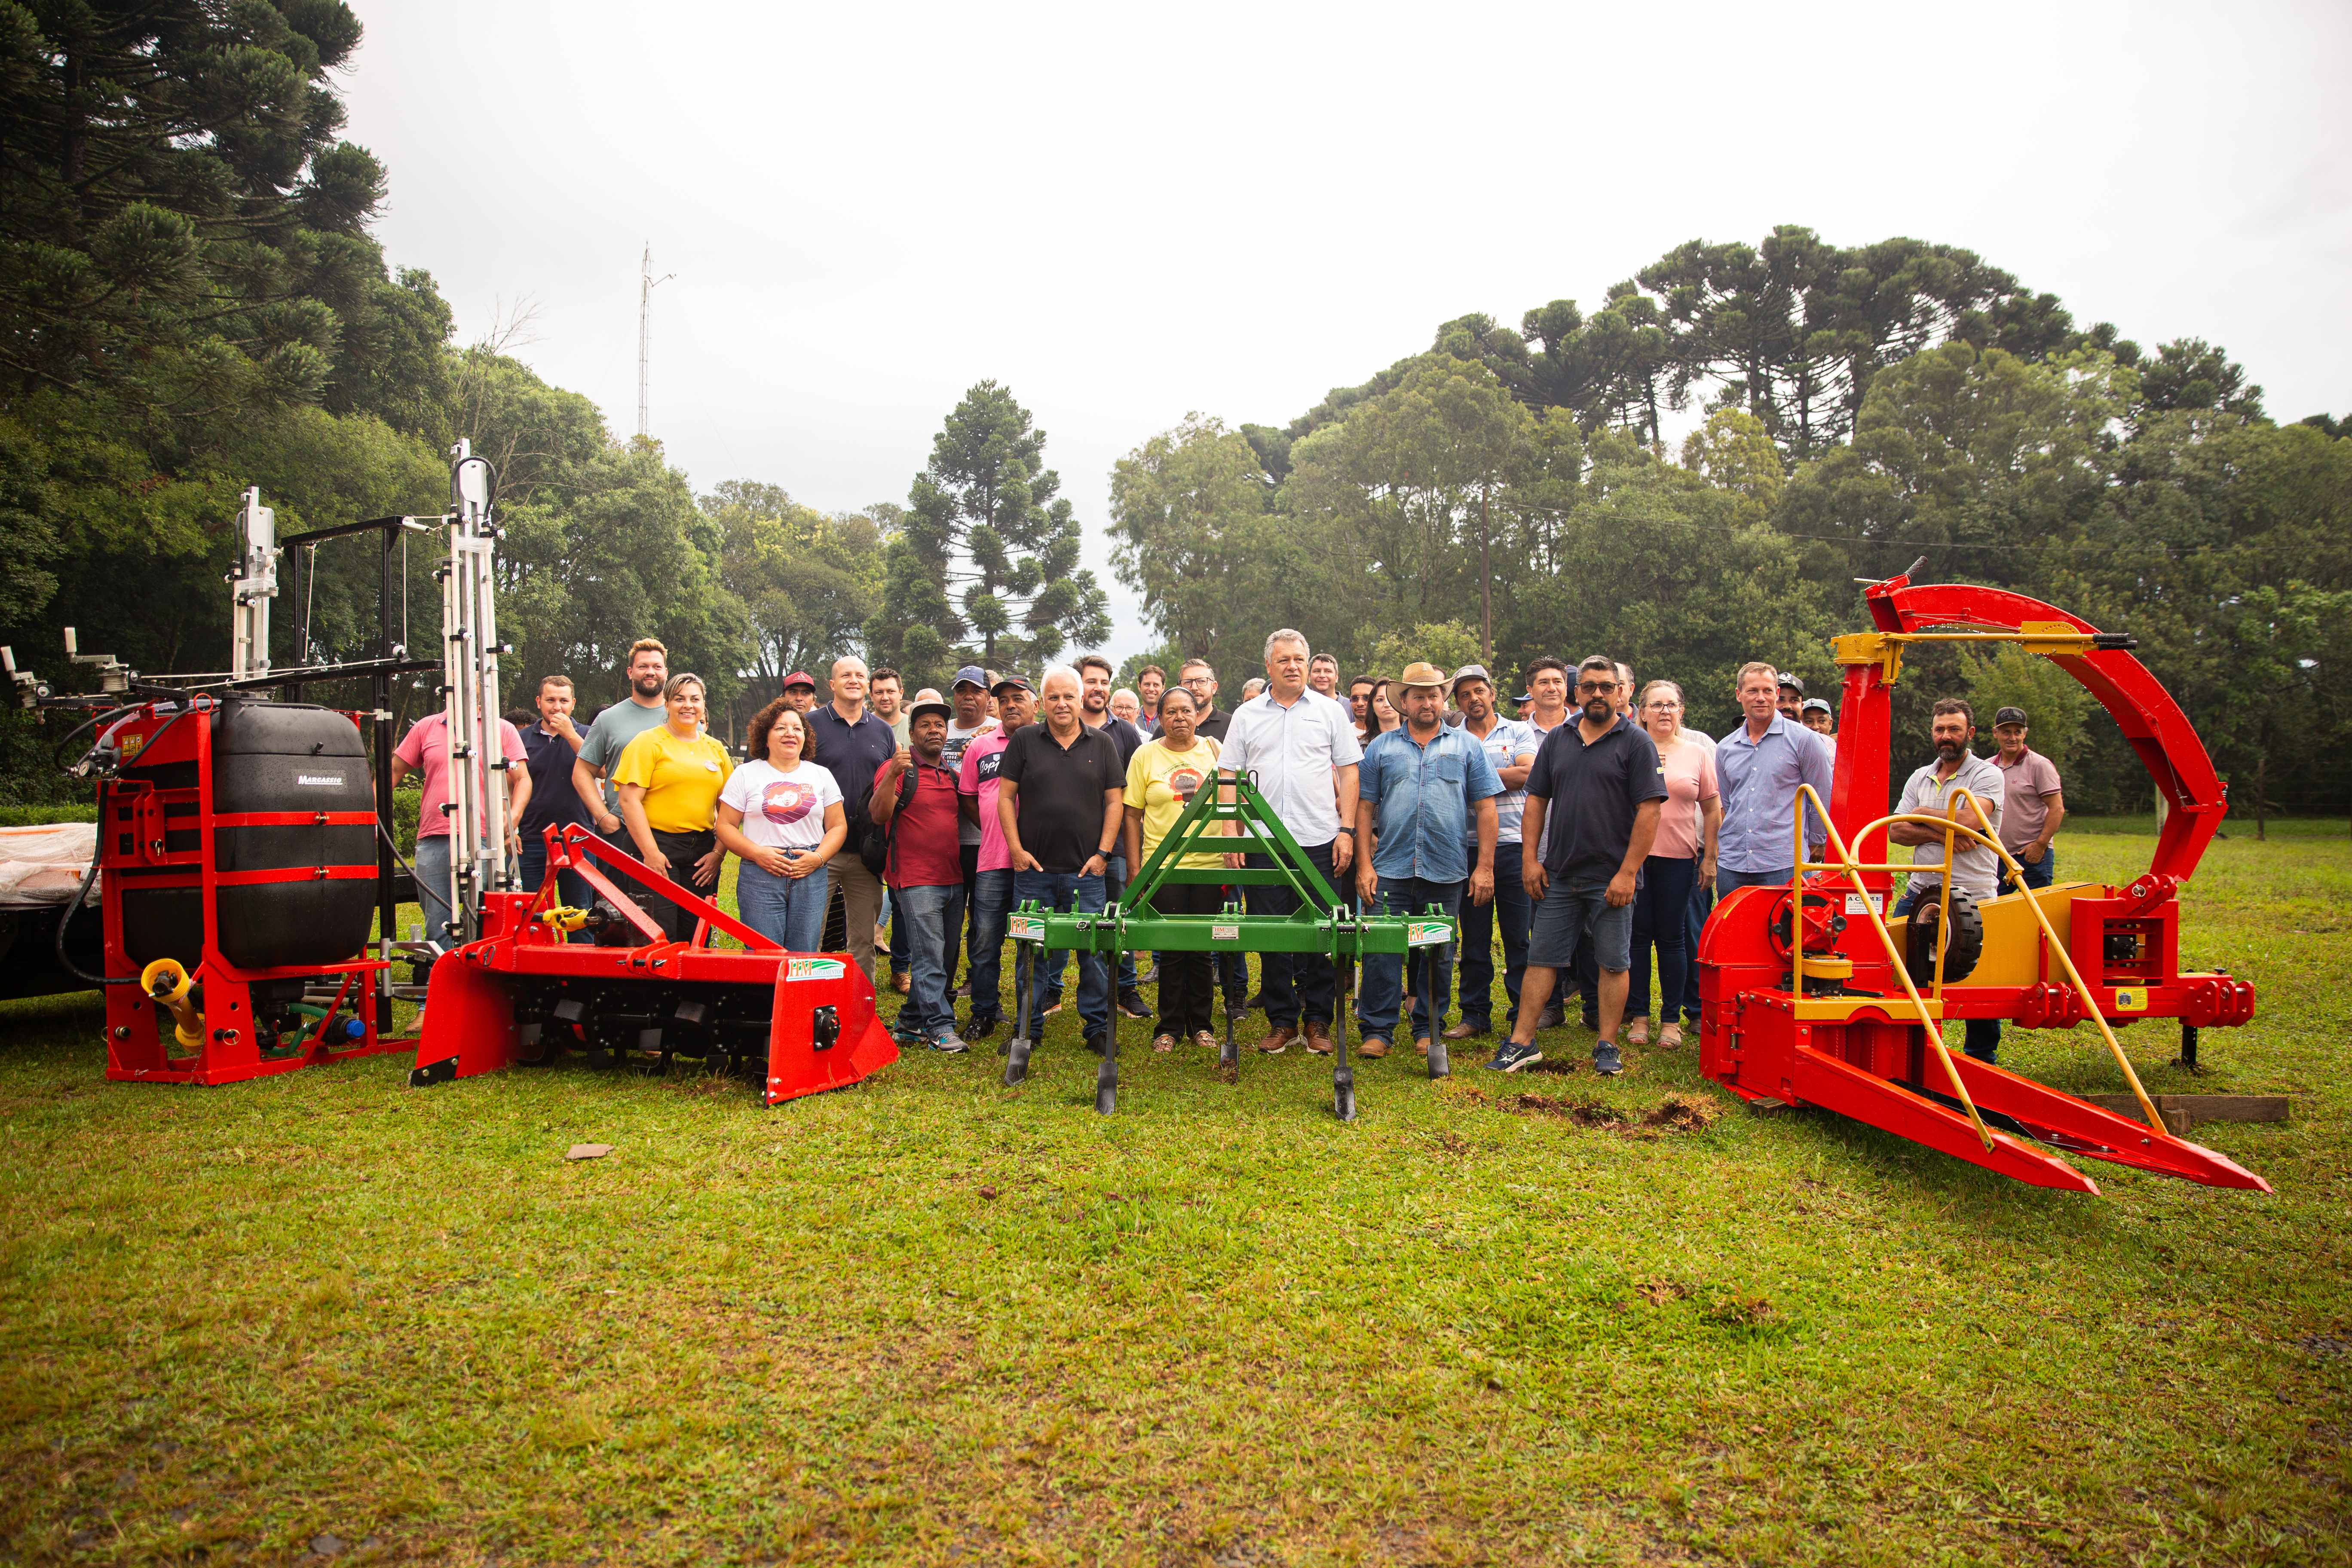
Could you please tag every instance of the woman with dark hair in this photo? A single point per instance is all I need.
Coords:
(1163, 777)
(781, 815)
(1360, 706)
(669, 780)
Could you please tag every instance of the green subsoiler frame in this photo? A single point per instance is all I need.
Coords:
(1323, 923)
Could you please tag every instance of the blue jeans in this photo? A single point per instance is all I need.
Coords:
(929, 915)
(1510, 906)
(1661, 918)
(785, 909)
(1114, 885)
(991, 903)
(1073, 893)
(1297, 985)
(2038, 872)
(1981, 1036)
(1433, 967)
(901, 946)
(570, 886)
(432, 867)
(1702, 904)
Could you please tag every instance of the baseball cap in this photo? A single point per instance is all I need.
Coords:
(1002, 682)
(799, 677)
(934, 706)
(1795, 683)
(2009, 716)
(973, 675)
(1814, 705)
(1469, 672)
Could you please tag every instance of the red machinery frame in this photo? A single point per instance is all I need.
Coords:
(140, 841)
(522, 995)
(1854, 1043)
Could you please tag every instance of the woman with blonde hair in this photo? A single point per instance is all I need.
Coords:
(1682, 855)
(781, 815)
(668, 779)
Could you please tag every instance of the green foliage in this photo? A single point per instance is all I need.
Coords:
(987, 561)
(2056, 705)
(1448, 644)
(1187, 513)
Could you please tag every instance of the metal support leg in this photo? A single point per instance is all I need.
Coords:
(1343, 1071)
(1107, 1075)
(2189, 1046)
(1016, 1050)
(1439, 1066)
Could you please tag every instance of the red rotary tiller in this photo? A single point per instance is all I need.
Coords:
(523, 995)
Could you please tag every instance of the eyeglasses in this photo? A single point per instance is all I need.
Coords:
(1660, 704)
(1596, 685)
(1198, 680)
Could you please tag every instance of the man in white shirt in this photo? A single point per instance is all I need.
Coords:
(1934, 790)
(1302, 752)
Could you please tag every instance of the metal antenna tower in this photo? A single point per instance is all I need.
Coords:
(647, 284)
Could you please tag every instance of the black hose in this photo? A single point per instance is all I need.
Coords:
(66, 919)
(56, 752)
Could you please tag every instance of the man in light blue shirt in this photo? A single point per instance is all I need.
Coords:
(1511, 751)
(1761, 766)
(1428, 791)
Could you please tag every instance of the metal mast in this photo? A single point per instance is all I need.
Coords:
(647, 284)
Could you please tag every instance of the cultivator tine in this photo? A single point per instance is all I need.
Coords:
(1107, 1075)
(1016, 1050)
(1440, 1066)
(1343, 1072)
(1229, 1055)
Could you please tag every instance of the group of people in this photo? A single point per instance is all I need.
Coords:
(1589, 835)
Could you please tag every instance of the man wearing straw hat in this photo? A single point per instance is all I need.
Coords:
(1428, 791)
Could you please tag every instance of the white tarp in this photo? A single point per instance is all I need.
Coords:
(44, 865)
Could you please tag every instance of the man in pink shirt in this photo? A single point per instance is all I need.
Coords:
(1017, 705)
(426, 747)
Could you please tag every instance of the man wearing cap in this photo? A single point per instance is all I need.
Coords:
(1791, 698)
(852, 745)
(1428, 791)
(971, 721)
(1510, 748)
(1598, 787)
(1059, 803)
(1934, 790)
(1761, 766)
(1814, 714)
(991, 900)
(800, 692)
(2033, 805)
(1301, 752)
(916, 798)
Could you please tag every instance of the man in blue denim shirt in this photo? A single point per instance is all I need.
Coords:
(1759, 767)
(1426, 785)
(1598, 787)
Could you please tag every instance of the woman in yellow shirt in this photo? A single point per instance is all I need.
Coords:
(1162, 779)
(668, 779)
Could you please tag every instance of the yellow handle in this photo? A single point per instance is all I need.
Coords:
(174, 993)
(563, 917)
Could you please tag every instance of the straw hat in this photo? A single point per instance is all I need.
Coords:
(1415, 674)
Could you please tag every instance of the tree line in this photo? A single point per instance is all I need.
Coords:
(193, 302)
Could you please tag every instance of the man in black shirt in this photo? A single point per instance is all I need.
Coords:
(1198, 678)
(1059, 796)
(1597, 786)
(1095, 674)
(552, 744)
(852, 744)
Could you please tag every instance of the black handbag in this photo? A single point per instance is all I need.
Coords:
(875, 842)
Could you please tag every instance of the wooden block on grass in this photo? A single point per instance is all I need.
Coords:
(2195, 1108)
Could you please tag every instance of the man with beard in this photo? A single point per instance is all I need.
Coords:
(914, 796)
(992, 903)
(1597, 786)
(1510, 749)
(972, 720)
(1150, 682)
(1934, 790)
(800, 692)
(609, 736)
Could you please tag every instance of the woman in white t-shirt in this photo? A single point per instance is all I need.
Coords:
(1682, 857)
(783, 818)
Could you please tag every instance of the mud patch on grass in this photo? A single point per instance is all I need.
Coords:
(1676, 1113)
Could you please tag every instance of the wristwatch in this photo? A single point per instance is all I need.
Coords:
(1348, 831)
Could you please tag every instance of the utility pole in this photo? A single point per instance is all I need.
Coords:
(647, 284)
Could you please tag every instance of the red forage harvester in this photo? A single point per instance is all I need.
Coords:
(523, 995)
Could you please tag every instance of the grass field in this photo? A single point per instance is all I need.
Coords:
(934, 1319)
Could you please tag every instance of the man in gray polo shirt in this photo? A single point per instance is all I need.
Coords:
(1934, 790)
(1301, 752)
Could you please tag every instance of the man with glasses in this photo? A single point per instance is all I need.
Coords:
(1596, 787)
(1510, 748)
(1198, 678)
(1761, 766)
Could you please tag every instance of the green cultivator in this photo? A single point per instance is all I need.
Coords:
(1324, 923)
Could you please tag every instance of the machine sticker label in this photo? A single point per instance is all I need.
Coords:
(1853, 904)
(1021, 928)
(2130, 999)
(132, 745)
(1224, 933)
(1426, 934)
(813, 969)
(328, 781)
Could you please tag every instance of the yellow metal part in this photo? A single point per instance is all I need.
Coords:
(2012, 937)
(2052, 640)
(172, 989)
(1843, 1009)
(563, 917)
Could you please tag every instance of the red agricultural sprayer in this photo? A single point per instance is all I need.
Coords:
(1812, 995)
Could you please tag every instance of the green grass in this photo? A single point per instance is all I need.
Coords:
(934, 1319)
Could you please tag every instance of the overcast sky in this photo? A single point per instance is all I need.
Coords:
(1126, 212)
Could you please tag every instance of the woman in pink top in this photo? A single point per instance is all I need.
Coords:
(1682, 856)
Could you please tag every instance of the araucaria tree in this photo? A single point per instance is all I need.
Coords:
(987, 566)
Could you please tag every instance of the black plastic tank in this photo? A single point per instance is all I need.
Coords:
(270, 757)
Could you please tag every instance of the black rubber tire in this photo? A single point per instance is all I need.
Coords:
(1967, 940)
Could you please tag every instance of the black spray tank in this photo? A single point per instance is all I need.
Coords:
(265, 757)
